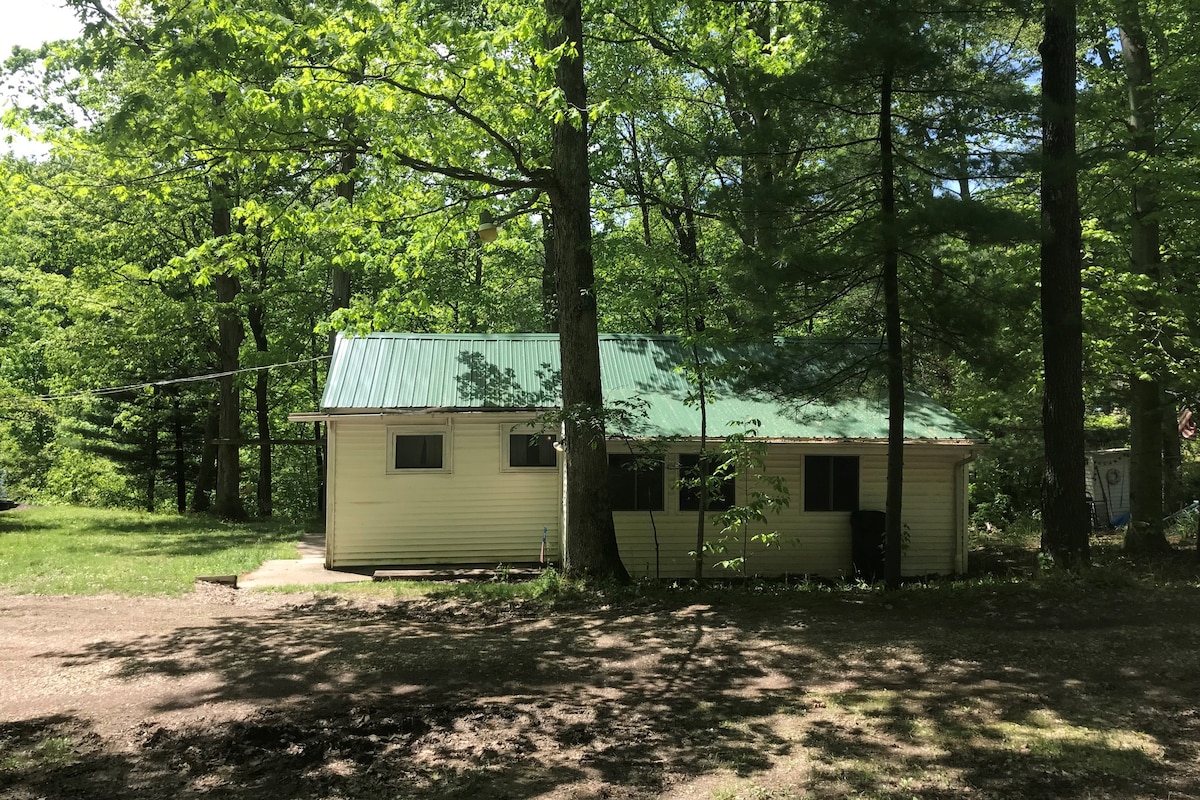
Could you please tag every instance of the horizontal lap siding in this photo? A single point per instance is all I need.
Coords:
(929, 512)
(809, 543)
(479, 513)
(475, 514)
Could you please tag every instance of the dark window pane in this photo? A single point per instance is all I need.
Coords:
(689, 495)
(650, 485)
(531, 450)
(845, 483)
(622, 482)
(817, 479)
(635, 484)
(831, 483)
(419, 452)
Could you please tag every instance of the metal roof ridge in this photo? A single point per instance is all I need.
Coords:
(445, 336)
(668, 337)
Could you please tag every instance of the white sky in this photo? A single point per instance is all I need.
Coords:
(29, 23)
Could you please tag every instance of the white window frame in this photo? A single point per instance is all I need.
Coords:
(445, 431)
(531, 430)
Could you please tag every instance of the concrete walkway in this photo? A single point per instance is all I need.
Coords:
(307, 570)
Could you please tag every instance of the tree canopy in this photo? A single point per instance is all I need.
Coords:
(227, 184)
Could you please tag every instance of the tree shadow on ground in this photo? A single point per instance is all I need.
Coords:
(182, 544)
(999, 694)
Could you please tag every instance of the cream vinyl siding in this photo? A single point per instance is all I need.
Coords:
(481, 513)
(810, 543)
(474, 513)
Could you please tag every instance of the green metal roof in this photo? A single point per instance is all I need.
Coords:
(795, 389)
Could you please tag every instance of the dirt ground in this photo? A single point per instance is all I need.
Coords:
(236, 694)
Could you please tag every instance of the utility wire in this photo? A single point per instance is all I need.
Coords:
(109, 390)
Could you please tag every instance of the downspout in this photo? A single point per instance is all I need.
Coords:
(962, 513)
(562, 531)
(330, 492)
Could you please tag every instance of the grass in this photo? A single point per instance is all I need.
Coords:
(68, 550)
(50, 751)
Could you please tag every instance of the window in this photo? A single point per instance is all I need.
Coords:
(689, 495)
(831, 483)
(418, 452)
(635, 483)
(418, 448)
(532, 450)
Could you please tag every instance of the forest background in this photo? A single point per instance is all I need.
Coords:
(228, 184)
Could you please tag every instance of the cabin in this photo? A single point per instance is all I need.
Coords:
(444, 450)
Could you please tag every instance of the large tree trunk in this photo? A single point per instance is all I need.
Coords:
(228, 501)
(591, 541)
(894, 525)
(1145, 531)
(1065, 524)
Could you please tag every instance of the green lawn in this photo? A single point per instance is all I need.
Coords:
(90, 551)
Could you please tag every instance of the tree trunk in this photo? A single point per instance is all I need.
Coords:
(549, 276)
(894, 504)
(206, 476)
(339, 278)
(262, 414)
(318, 449)
(702, 398)
(1065, 524)
(152, 474)
(591, 541)
(228, 501)
(180, 469)
(1172, 458)
(1145, 531)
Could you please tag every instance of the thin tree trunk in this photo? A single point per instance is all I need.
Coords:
(701, 391)
(318, 449)
(228, 501)
(339, 277)
(1172, 458)
(262, 412)
(1145, 531)
(1065, 526)
(893, 527)
(152, 476)
(591, 541)
(549, 276)
(257, 318)
(180, 468)
(206, 475)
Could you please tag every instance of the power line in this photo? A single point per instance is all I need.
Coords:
(110, 390)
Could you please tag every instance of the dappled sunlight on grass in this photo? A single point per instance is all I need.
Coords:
(1078, 749)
